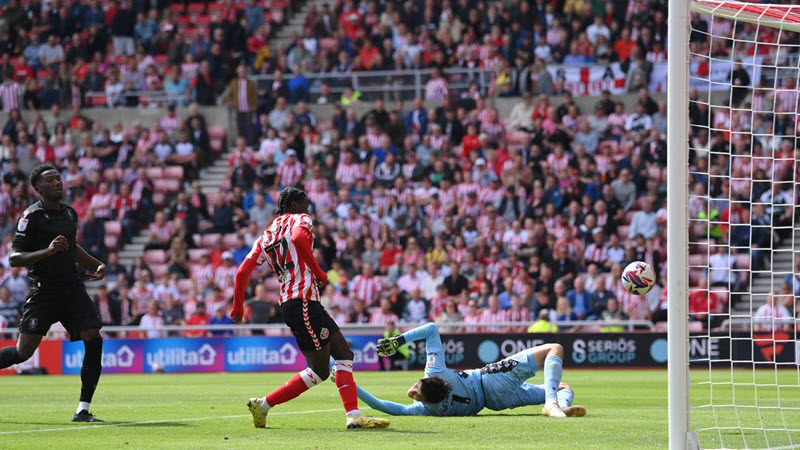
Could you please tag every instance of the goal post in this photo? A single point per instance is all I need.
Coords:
(677, 222)
(733, 229)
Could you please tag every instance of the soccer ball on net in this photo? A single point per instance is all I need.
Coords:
(638, 278)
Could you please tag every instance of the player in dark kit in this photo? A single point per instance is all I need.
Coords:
(44, 242)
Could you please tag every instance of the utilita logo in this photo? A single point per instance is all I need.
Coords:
(367, 354)
(255, 355)
(204, 356)
(122, 358)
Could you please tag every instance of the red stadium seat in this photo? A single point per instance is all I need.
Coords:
(111, 241)
(216, 145)
(166, 185)
(209, 240)
(112, 228)
(98, 100)
(327, 43)
(695, 327)
(154, 173)
(196, 8)
(158, 270)
(623, 232)
(742, 260)
(216, 131)
(628, 217)
(196, 253)
(155, 257)
(185, 285)
(159, 199)
(174, 172)
(230, 240)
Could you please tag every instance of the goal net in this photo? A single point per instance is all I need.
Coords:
(743, 235)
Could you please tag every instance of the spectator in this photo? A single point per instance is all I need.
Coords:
(9, 310)
(580, 300)
(416, 308)
(612, 313)
(624, 190)
(17, 284)
(221, 318)
(152, 320)
(198, 317)
(644, 221)
(543, 324)
(772, 316)
(243, 98)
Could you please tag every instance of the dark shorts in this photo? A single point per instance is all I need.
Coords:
(70, 305)
(309, 322)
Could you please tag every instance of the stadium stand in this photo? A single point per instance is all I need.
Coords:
(485, 217)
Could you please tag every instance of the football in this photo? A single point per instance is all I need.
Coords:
(638, 278)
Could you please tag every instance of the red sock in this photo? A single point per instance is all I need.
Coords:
(301, 382)
(346, 384)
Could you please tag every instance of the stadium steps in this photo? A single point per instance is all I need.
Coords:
(211, 178)
(770, 278)
(294, 24)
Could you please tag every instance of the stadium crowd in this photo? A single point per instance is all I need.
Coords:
(426, 211)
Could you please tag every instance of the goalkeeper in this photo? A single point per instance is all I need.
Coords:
(497, 386)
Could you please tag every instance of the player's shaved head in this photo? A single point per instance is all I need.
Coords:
(38, 171)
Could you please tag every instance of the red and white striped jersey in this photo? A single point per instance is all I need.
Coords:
(493, 317)
(436, 89)
(275, 248)
(367, 288)
(354, 225)
(347, 174)
(381, 318)
(519, 315)
(202, 274)
(101, 205)
(224, 276)
(11, 96)
(290, 173)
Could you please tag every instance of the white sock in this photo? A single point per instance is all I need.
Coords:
(82, 406)
(264, 405)
(353, 414)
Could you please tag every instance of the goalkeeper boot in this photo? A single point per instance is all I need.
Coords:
(363, 421)
(552, 409)
(85, 416)
(574, 411)
(259, 413)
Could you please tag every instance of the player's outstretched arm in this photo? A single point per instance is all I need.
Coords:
(387, 407)
(240, 286)
(433, 346)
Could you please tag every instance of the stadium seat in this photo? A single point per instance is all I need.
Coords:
(742, 261)
(698, 260)
(185, 285)
(167, 185)
(209, 240)
(174, 172)
(155, 257)
(112, 228)
(158, 270)
(327, 43)
(695, 327)
(216, 145)
(216, 131)
(196, 253)
(623, 232)
(628, 217)
(111, 241)
(159, 199)
(154, 173)
(230, 240)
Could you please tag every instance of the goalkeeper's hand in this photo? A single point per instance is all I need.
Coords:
(388, 347)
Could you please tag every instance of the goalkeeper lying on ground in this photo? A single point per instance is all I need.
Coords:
(497, 386)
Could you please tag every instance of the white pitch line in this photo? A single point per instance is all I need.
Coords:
(194, 419)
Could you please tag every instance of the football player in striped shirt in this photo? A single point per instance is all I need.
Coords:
(286, 247)
(497, 386)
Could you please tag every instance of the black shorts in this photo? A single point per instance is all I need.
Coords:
(309, 322)
(70, 305)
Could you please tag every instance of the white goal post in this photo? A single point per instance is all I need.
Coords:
(733, 230)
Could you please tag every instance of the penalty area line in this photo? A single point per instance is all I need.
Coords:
(147, 422)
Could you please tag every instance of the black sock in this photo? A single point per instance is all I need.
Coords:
(8, 357)
(90, 371)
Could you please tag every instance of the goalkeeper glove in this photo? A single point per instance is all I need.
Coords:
(388, 347)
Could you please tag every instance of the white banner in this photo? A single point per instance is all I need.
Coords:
(715, 75)
(590, 80)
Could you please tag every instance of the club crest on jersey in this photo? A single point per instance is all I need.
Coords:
(22, 225)
(324, 333)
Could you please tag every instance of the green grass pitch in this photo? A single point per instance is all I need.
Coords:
(626, 409)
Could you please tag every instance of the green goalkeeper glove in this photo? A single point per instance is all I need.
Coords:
(388, 347)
